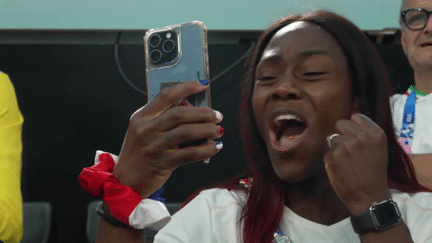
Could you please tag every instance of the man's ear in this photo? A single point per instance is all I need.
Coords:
(403, 43)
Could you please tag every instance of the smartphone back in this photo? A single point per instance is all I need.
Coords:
(176, 54)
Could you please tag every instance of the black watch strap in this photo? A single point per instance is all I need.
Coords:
(379, 216)
(362, 222)
(108, 218)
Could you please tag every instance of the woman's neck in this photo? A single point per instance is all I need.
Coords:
(316, 201)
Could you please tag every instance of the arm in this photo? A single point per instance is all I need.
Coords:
(394, 234)
(11, 218)
(423, 168)
(357, 168)
(151, 149)
(109, 233)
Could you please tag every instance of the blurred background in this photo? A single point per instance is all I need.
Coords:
(221, 14)
(78, 70)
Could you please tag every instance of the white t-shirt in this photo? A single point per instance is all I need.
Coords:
(213, 216)
(422, 137)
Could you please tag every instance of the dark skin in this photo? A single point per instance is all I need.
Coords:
(303, 69)
(307, 80)
(150, 151)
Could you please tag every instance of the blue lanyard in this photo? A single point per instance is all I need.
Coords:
(407, 129)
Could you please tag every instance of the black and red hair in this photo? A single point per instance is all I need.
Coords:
(263, 210)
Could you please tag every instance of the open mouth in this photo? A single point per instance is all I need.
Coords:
(287, 132)
(426, 44)
(288, 126)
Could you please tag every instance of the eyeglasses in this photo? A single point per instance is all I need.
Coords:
(415, 19)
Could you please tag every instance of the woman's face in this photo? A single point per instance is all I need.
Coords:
(302, 87)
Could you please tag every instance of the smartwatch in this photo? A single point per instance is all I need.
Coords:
(379, 216)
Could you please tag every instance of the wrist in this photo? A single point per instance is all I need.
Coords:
(144, 184)
(363, 205)
(121, 201)
(379, 216)
(103, 211)
(105, 208)
(127, 177)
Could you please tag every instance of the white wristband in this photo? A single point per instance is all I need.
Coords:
(149, 214)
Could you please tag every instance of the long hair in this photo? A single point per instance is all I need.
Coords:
(263, 210)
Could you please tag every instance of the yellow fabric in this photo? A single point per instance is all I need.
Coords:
(11, 215)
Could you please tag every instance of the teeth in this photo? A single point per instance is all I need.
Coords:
(280, 118)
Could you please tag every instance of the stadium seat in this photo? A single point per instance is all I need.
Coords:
(37, 222)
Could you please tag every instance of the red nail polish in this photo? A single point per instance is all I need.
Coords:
(221, 130)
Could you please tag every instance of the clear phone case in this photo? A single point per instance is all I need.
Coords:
(174, 54)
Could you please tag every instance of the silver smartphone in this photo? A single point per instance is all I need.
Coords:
(175, 54)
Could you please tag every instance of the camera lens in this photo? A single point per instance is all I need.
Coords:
(155, 55)
(168, 46)
(155, 40)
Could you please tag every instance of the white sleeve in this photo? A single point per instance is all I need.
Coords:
(190, 224)
(422, 142)
(396, 105)
(212, 216)
(416, 210)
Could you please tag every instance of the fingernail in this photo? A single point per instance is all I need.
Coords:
(204, 81)
(207, 160)
(219, 115)
(219, 145)
(184, 103)
(221, 130)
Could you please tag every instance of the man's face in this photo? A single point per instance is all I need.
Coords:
(417, 44)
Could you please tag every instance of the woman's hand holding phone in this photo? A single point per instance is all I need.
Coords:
(151, 149)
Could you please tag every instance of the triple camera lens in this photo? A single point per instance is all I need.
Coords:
(162, 47)
(154, 40)
(168, 46)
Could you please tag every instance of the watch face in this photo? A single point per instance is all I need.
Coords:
(386, 214)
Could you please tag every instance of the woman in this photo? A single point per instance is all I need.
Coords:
(317, 132)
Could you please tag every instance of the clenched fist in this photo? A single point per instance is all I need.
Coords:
(356, 163)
